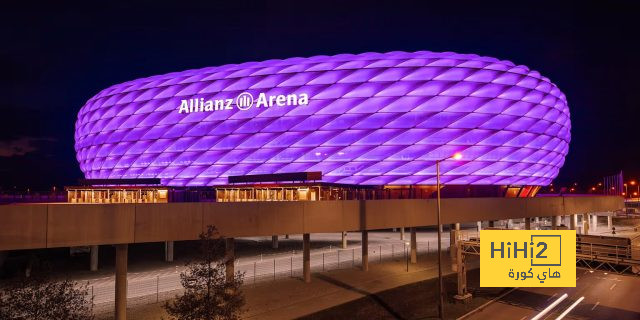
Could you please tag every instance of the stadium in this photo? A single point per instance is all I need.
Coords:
(371, 119)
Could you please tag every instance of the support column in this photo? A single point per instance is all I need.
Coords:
(479, 227)
(401, 233)
(306, 257)
(558, 220)
(463, 295)
(454, 234)
(274, 242)
(594, 225)
(509, 223)
(230, 257)
(344, 239)
(168, 251)
(573, 221)
(585, 223)
(527, 223)
(365, 250)
(121, 281)
(554, 223)
(93, 264)
(609, 222)
(414, 246)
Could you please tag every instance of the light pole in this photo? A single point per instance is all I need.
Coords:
(456, 156)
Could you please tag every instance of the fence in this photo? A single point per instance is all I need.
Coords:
(153, 289)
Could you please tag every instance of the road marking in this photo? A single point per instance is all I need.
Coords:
(613, 286)
(566, 312)
(609, 279)
(595, 305)
(550, 307)
(553, 296)
(523, 318)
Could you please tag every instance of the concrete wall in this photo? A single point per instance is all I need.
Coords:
(29, 226)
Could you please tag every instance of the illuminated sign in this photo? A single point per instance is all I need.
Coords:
(244, 101)
(528, 258)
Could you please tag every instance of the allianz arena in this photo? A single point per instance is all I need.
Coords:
(366, 119)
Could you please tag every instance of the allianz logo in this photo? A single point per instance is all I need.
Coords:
(244, 101)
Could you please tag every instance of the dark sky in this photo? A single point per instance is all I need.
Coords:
(53, 58)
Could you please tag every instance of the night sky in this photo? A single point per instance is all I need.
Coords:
(55, 57)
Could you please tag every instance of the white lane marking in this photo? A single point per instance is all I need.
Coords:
(566, 312)
(613, 286)
(610, 279)
(553, 296)
(549, 307)
(595, 305)
(523, 318)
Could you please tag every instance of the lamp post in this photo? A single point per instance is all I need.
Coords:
(456, 156)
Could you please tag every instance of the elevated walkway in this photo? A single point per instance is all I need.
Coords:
(32, 226)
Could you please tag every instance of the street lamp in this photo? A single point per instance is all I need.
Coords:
(456, 156)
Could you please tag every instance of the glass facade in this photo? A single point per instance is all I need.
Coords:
(117, 195)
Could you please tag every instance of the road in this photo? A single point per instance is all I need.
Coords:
(606, 296)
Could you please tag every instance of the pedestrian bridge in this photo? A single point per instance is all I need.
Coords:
(50, 225)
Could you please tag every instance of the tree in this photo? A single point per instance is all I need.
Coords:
(42, 298)
(207, 293)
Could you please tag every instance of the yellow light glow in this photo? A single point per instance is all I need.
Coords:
(457, 156)
(633, 182)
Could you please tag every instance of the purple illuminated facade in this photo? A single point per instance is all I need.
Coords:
(368, 119)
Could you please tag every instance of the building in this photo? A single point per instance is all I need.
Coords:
(366, 120)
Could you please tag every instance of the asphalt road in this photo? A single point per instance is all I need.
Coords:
(606, 296)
